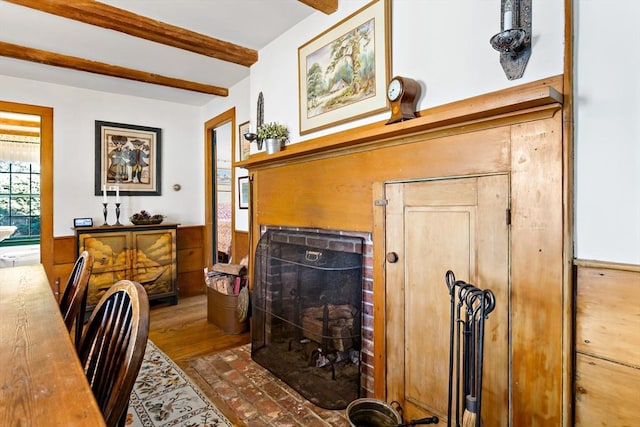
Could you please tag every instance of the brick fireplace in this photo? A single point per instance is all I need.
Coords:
(312, 324)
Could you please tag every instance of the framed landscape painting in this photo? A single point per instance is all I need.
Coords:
(129, 157)
(343, 72)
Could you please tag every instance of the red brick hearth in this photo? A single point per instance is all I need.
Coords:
(251, 396)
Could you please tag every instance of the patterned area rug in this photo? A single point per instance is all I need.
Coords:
(164, 396)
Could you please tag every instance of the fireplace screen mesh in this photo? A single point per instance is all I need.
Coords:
(307, 308)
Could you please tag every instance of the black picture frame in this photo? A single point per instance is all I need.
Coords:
(128, 156)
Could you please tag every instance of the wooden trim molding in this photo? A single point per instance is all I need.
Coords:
(46, 178)
(607, 265)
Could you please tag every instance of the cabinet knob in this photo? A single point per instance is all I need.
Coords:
(392, 257)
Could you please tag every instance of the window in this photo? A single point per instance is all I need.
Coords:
(20, 177)
(20, 201)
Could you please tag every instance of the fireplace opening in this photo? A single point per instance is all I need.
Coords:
(307, 310)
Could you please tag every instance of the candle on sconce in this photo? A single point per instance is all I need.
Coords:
(117, 194)
(104, 194)
(508, 16)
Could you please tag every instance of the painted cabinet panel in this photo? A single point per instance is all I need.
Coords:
(145, 254)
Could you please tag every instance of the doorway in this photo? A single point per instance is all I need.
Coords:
(28, 121)
(219, 187)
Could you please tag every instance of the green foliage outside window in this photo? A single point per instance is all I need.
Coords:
(20, 201)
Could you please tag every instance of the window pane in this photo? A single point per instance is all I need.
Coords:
(20, 183)
(20, 167)
(4, 206)
(20, 205)
(35, 206)
(35, 184)
(4, 166)
(35, 225)
(5, 183)
(24, 226)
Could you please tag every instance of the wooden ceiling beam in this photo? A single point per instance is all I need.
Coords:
(324, 6)
(80, 64)
(113, 18)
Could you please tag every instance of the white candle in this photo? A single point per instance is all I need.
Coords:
(508, 20)
(117, 194)
(104, 194)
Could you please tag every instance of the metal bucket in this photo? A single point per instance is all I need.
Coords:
(272, 145)
(369, 412)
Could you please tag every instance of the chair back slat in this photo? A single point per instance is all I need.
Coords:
(113, 345)
(74, 298)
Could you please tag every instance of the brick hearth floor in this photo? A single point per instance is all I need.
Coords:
(251, 396)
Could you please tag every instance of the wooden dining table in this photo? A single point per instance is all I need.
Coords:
(41, 380)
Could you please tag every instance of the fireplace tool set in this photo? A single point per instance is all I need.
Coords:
(470, 307)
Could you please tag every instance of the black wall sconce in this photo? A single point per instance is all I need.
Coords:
(250, 136)
(514, 41)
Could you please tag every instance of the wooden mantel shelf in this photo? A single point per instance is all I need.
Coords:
(508, 101)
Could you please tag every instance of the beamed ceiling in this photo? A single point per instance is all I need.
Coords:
(199, 47)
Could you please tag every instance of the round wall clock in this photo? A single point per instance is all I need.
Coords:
(403, 94)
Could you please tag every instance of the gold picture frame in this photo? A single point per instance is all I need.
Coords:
(329, 94)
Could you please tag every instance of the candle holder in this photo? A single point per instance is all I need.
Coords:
(250, 136)
(514, 40)
(104, 213)
(117, 214)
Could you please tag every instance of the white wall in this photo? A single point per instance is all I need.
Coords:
(442, 44)
(74, 116)
(607, 131)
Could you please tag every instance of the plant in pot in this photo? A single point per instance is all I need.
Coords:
(274, 136)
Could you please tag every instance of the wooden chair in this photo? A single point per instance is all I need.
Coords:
(74, 299)
(113, 345)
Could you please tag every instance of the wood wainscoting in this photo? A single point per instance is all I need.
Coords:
(607, 385)
(191, 260)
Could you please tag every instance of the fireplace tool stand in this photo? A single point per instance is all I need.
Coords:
(470, 307)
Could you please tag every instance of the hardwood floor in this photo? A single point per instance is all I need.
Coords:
(182, 330)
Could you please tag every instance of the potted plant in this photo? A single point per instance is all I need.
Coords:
(274, 136)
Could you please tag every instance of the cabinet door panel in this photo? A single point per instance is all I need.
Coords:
(110, 261)
(154, 263)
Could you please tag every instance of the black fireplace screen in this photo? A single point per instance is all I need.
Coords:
(307, 308)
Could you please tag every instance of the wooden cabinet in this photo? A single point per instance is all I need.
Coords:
(145, 254)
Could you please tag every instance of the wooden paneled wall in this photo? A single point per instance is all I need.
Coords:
(607, 386)
(190, 244)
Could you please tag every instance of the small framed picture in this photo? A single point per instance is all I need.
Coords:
(243, 192)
